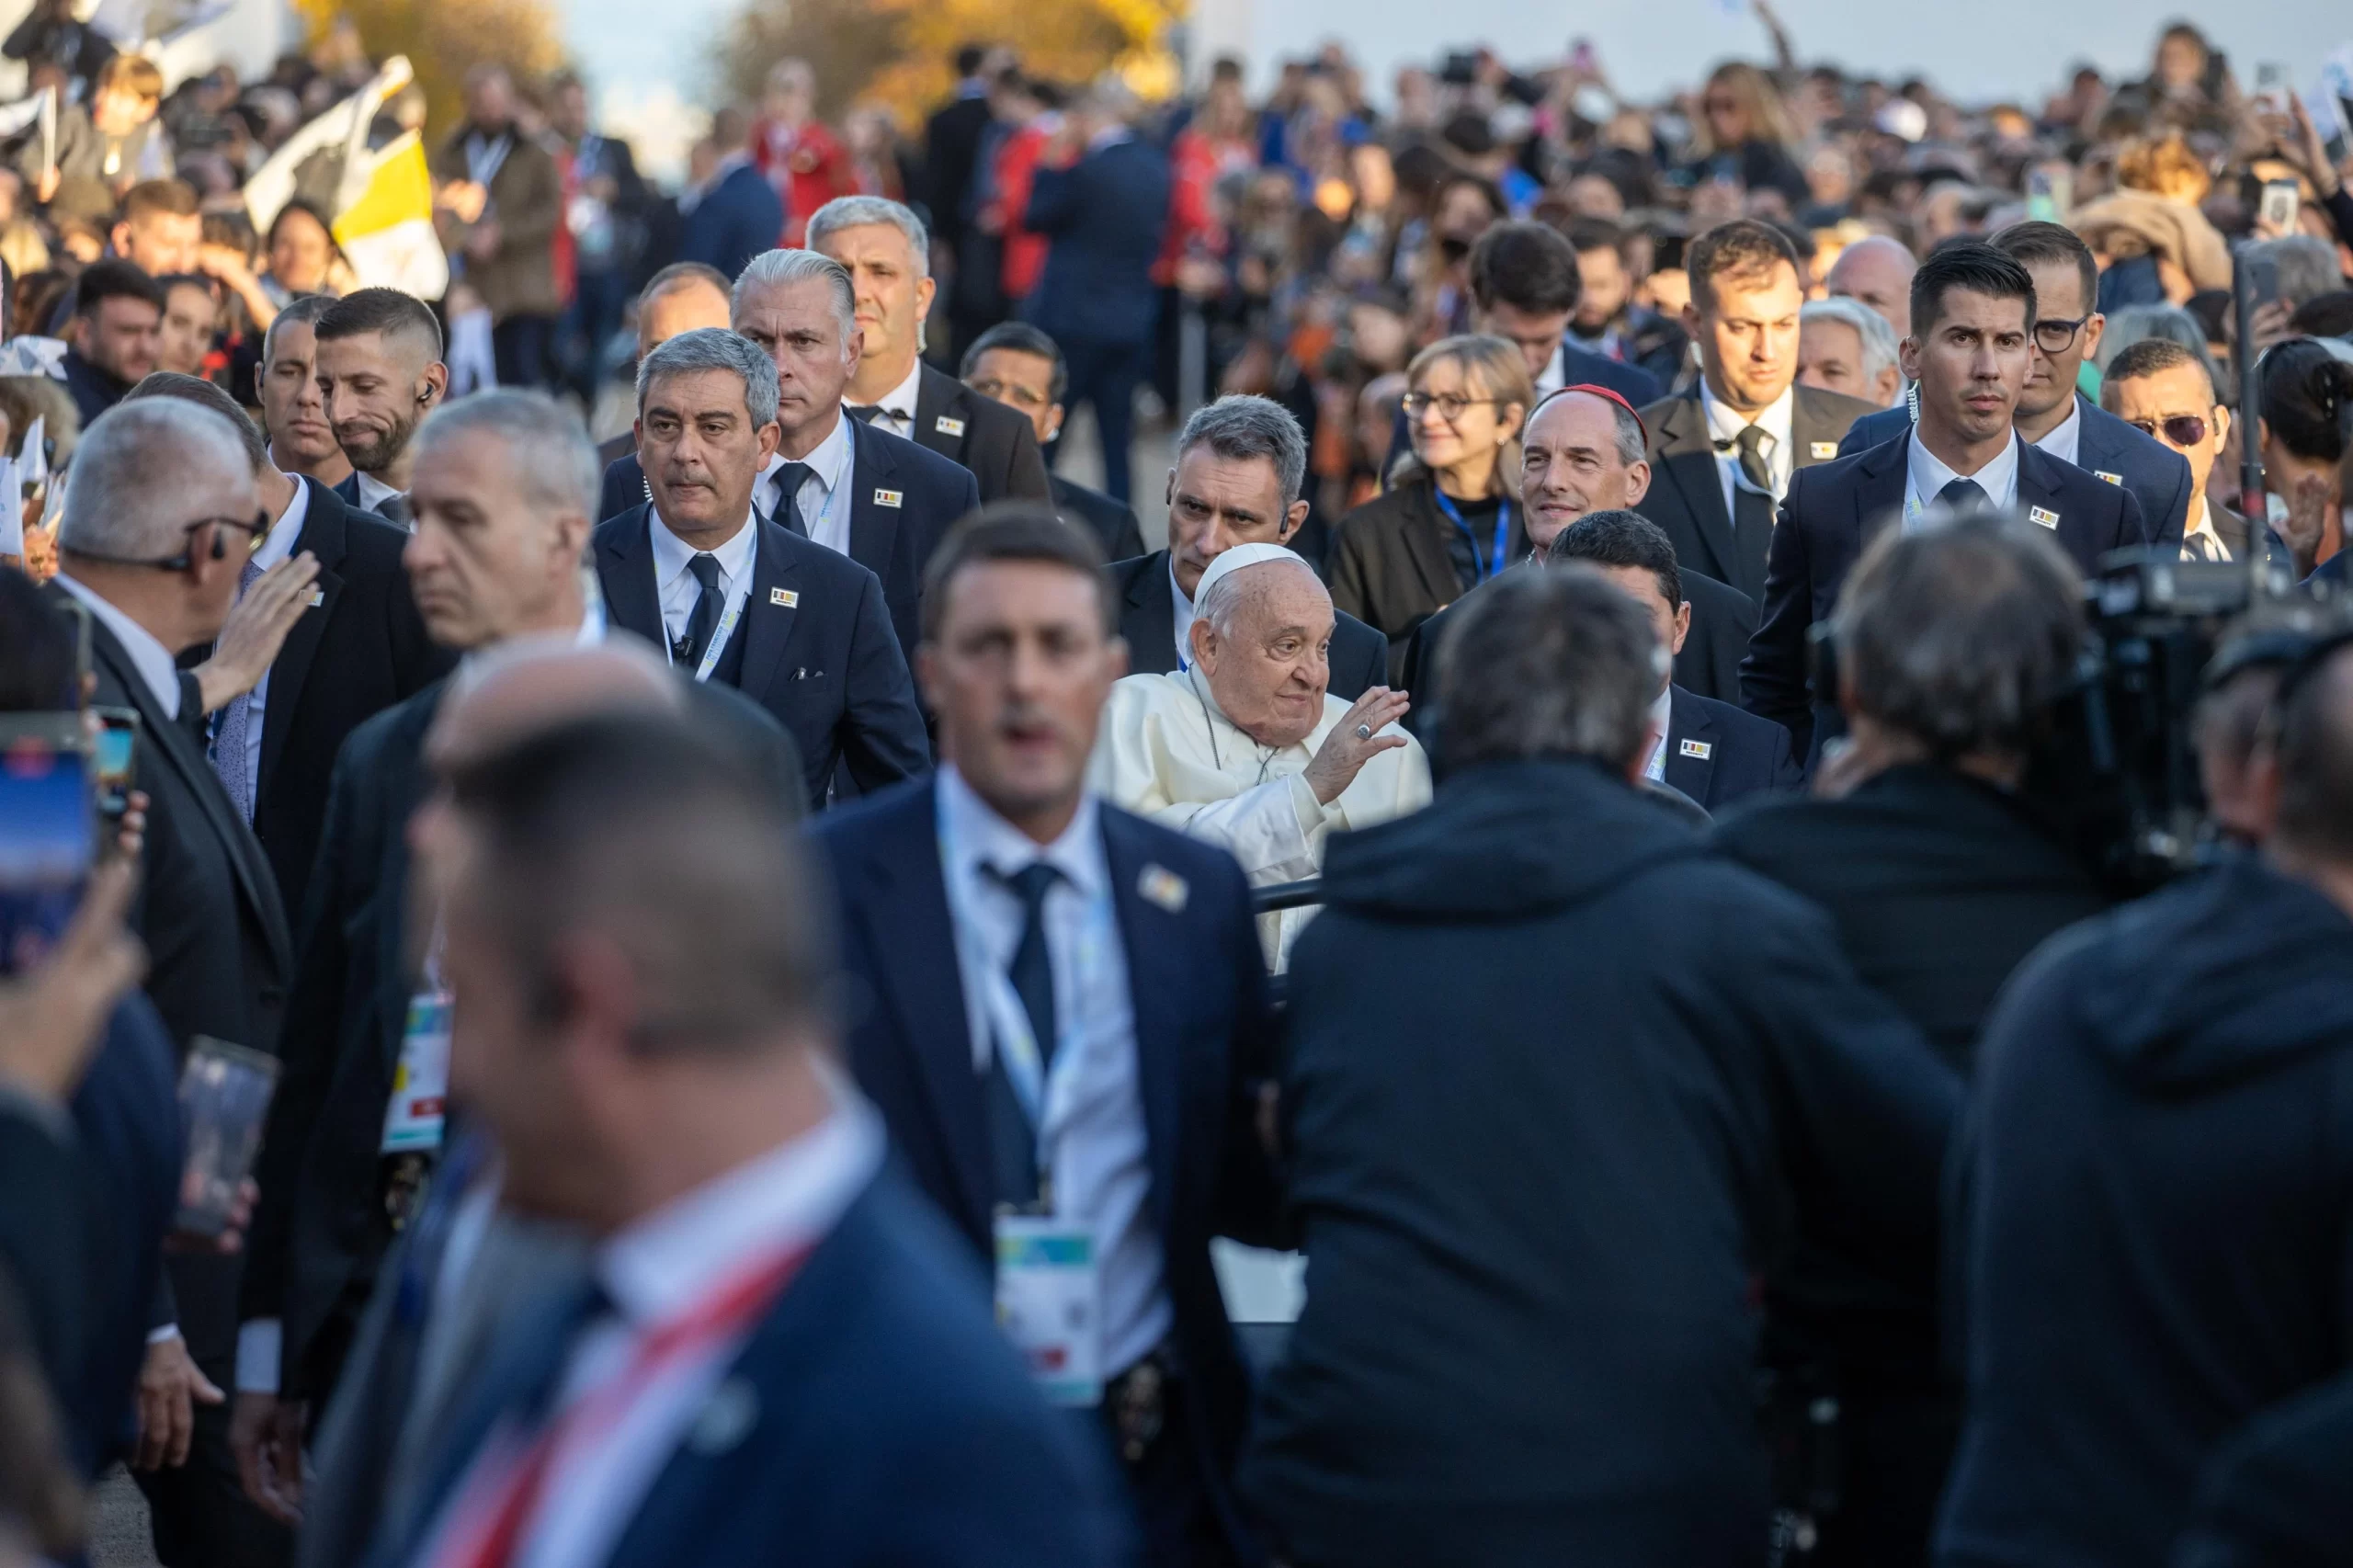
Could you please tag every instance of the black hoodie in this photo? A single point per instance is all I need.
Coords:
(1558, 1079)
(2159, 1235)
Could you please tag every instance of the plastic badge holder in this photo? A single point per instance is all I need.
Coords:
(224, 1096)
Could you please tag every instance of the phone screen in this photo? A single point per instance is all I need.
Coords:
(224, 1095)
(48, 837)
(113, 759)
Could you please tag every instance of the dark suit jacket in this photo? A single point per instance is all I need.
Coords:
(1722, 618)
(827, 668)
(952, 145)
(1359, 656)
(363, 649)
(996, 443)
(49, 1283)
(208, 909)
(1204, 1041)
(2105, 448)
(892, 540)
(734, 223)
(889, 1422)
(1390, 566)
(611, 451)
(1687, 494)
(1105, 215)
(319, 1231)
(1581, 366)
(1833, 512)
(1717, 754)
(1113, 523)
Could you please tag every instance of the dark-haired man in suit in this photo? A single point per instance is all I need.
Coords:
(737, 598)
(882, 244)
(1721, 458)
(1014, 364)
(378, 362)
(1068, 1015)
(358, 648)
(1972, 325)
(2051, 414)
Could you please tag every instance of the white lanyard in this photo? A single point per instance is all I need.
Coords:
(726, 629)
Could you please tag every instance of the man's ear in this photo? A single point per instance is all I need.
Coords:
(1294, 518)
(434, 385)
(1908, 354)
(1637, 484)
(1054, 428)
(1202, 638)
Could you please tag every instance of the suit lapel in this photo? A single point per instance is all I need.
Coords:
(1149, 623)
(924, 986)
(1686, 720)
(1151, 938)
(1812, 434)
(170, 738)
(2041, 498)
(768, 622)
(325, 528)
(1687, 461)
(873, 528)
(938, 393)
(625, 571)
(1879, 491)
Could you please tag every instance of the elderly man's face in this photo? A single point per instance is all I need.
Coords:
(795, 325)
(1569, 466)
(1017, 669)
(1269, 670)
(891, 285)
(1830, 356)
(691, 304)
(1216, 502)
(1876, 272)
(700, 450)
(488, 559)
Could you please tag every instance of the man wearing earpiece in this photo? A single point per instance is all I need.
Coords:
(379, 369)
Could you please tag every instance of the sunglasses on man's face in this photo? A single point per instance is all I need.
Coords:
(2180, 430)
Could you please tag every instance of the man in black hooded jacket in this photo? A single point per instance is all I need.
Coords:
(2157, 1240)
(1562, 1088)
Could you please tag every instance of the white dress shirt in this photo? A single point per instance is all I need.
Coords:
(1661, 714)
(2202, 526)
(1924, 475)
(154, 663)
(275, 547)
(665, 1264)
(373, 491)
(675, 581)
(1725, 424)
(1555, 375)
(898, 404)
(1184, 617)
(2066, 438)
(826, 497)
(1094, 1129)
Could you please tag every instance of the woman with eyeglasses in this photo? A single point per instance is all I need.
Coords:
(2305, 433)
(1450, 518)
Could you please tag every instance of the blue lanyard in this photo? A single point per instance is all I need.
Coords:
(1493, 564)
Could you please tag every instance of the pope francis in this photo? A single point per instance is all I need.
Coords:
(1245, 747)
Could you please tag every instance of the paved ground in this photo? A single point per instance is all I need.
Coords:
(118, 1525)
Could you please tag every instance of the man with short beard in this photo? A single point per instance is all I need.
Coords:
(379, 369)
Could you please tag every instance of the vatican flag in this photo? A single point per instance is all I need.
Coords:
(386, 231)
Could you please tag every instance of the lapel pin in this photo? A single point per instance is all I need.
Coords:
(1823, 451)
(2043, 514)
(784, 597)
(888, 497)
(1164, 887)
(318, 598)
(947, 427)
(2111, 478)
(1699, 749)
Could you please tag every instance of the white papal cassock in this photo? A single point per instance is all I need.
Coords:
(1166, 752)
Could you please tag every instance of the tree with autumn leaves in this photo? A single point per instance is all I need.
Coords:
(445, 38)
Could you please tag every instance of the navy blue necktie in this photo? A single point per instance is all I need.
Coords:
(789, 481)
(1013, 1136)
(1964, 496)
(704, 618)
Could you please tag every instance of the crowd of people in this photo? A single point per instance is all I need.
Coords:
(789, 943)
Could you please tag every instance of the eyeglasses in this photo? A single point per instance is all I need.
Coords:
(2053, 335)
(2179, 429)
(253, 527)
(1450, 406)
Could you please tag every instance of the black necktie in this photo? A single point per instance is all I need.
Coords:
(1963, 495)
(394, 509)
(789, 481)
(868, 412)
(1753, 466)
(1013, 1136)
(704, 620)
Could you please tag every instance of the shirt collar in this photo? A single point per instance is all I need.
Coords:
(279, 542)
(974, 836)
(1662, 716)
(2066, 439)
(781, 1201)
(1928, 474)
(1184, 601)
(149, 657)
(827, 462)
(372, 491)
(901, 399)
(672, 555)
(1725, 424)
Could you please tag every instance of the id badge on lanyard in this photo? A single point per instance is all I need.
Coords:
(1493, 564)
(719, 636)
(1049, 1269)
(421, 1081)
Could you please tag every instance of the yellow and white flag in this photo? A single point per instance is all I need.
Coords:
(386, 231)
